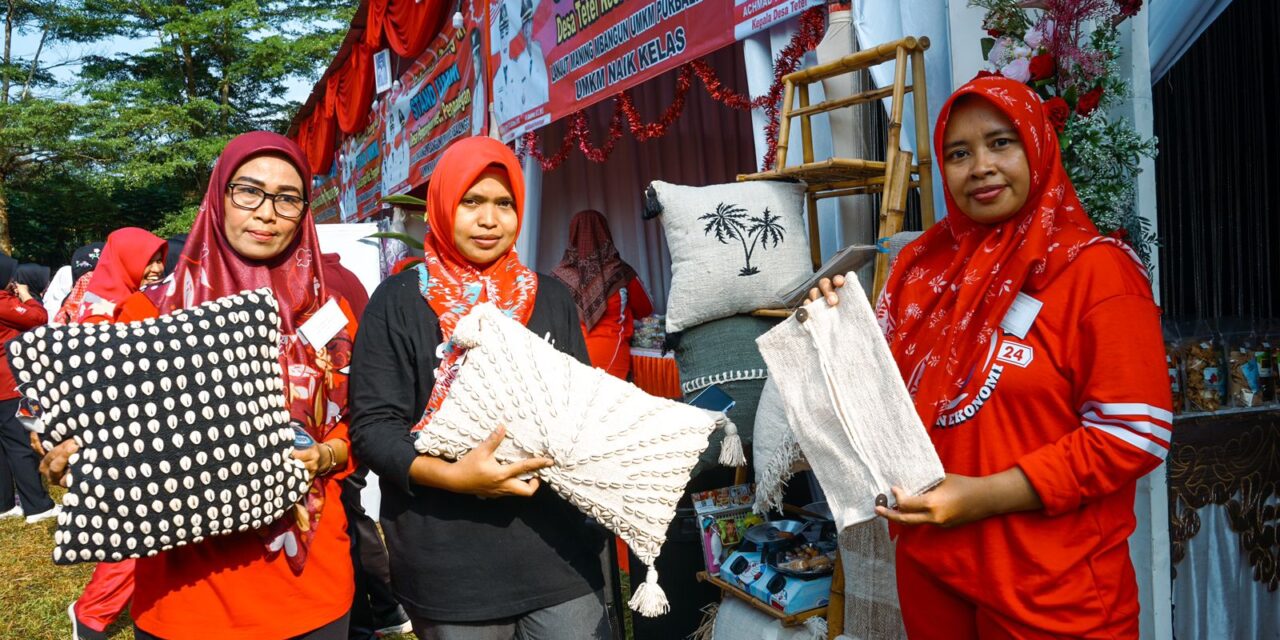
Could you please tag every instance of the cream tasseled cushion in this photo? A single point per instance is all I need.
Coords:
(621, 455)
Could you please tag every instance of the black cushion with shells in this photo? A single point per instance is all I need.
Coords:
(181, 423)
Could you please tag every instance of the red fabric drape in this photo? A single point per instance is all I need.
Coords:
(351, 89)
(317, 134)
(412, 24)
(322, 137)
(373, 23)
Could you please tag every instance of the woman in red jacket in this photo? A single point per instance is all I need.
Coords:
(608, 293)
(287, 581)
(1032, 348)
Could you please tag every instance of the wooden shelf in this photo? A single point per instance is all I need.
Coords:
(791, 620)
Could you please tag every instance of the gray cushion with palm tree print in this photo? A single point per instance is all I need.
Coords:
(733, 247)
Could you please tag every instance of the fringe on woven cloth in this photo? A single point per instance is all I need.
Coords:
(871, 609)
(775, 450)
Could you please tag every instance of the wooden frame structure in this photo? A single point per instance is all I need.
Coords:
(837, 177)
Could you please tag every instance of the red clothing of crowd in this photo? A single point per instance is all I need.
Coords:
(609, 341)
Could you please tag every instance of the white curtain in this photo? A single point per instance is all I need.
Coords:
(1215, 596)
(709, 144)
(878, 22)
(1174, 27)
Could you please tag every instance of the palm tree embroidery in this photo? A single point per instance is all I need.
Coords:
(729, 221)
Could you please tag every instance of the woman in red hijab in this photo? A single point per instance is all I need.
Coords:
(606, 290)
(131, 259)
(475, 551)
(293, 578)
(1032, 348)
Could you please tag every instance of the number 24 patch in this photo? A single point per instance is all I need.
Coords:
(1014, 353)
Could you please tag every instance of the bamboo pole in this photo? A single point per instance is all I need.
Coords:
(893, 207)
(835, 603)
(853, 100)
(894, 143)
(923, 152)
(806, 126)
(858, 60)
(784, 135)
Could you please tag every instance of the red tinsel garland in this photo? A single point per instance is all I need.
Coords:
(812, 25)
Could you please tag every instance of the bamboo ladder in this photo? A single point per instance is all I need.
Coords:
(837, 177)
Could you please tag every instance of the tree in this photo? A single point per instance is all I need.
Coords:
(217, 68)
(38, 132)
(138, 131)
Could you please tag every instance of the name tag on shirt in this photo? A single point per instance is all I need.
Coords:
(322, 326)
(1022, 314)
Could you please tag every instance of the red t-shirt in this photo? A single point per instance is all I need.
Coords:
(1082, 405)
(16, 316)
(225, 587)
(609, 342)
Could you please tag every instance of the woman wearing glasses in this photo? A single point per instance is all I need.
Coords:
(291, 579)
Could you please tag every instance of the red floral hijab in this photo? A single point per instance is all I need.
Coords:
(591, 266)
(119, 271)
(951, 288)
(316, 393)
(448, 281)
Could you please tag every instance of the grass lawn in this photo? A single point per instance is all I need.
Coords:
(34, 592)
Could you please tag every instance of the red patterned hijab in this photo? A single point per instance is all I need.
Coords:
(210, 268)
(951, 288)
(448, 281)
(591, 266)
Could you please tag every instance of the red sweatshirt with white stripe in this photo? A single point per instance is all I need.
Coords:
(1081, 404)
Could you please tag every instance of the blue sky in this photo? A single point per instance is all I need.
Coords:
(24, 45)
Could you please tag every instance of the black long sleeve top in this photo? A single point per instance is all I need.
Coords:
(456, 557)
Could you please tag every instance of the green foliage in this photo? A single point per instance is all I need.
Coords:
(1102, 155)
(147, 123)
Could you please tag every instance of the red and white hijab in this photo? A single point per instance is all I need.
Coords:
(950, 289)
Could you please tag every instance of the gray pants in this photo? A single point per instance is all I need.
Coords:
(578, 619)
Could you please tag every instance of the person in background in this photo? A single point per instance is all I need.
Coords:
(606, 291)
(131, 259)
(476, 552)
(83, 262)
(59, 288)
(19, 467)
(1032, 348)
(176, 243)
(375, 611)
(35, 276)
(253, 231)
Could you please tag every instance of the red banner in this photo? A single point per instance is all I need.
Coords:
(438, 100)
(359, 171)
(550, 59)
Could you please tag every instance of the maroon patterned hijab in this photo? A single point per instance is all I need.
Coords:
(591, 266)
(210, 268)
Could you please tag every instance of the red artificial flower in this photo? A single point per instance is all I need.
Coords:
(1089, 101)
(995, 33)
(1128, 8)
(983, 73)
(1043, 66)
(1058, 111)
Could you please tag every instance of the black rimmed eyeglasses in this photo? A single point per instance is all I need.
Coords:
(287, 206)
